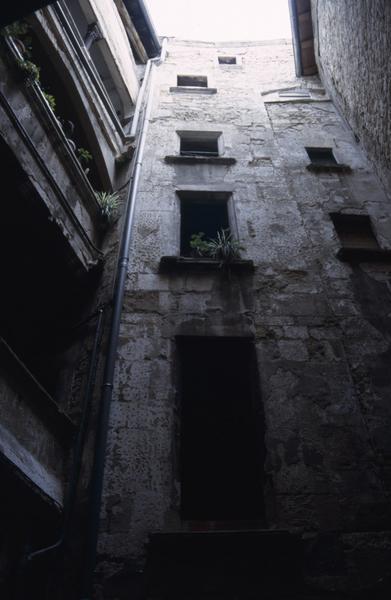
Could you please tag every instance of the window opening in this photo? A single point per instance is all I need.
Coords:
(221, 430)
(100, 54)
(321, 156)
(355, 231)
(105, 73)
(192, 81)
(199, 143)
(227, 60)
(206, 213)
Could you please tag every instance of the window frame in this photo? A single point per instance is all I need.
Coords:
(202, 136)
(225, 61)
(343, 221)
(205, 196)
(326, 150)
(204, 78)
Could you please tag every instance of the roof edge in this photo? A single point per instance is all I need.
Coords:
(141, 18)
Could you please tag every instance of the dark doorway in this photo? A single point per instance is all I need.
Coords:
(222, 449)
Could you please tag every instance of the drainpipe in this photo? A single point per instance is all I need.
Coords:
(77, 453)
(96, 486)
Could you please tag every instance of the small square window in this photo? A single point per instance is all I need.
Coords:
(355, 231)
(192, 81)
(199, 143)
(204, 212)
(321, 156)
(227, 60)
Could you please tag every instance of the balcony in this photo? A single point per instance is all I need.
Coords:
(61, 125)
(34, 135)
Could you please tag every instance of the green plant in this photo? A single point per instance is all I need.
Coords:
(109, 203)
(50, 100)
(19, 32)
(198, 244)
(84, 155)
(16, 29)
(224, 247)
(31, 70)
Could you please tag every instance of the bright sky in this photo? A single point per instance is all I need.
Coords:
(216, 20)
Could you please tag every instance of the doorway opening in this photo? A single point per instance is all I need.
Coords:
(222, 431)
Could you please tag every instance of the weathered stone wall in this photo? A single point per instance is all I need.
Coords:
(321, 327)
(353, 45)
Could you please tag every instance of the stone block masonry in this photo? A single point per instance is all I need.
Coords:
(320, 328)
(353, 43)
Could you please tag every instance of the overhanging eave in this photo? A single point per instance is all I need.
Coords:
(303, 37)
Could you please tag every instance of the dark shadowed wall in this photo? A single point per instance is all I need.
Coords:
(353, 43)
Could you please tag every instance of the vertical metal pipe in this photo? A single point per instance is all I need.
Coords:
(79, 442)
(96, 488)
(82, 431)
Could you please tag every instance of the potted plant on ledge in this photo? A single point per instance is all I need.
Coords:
(224, 248)
(221, 252)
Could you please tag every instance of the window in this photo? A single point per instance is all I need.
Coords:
(227, 60)
(323, 157)
(199, 143)
(102, 57)
(355, 231)
(192, 84)
(192, 81)
(205, 212)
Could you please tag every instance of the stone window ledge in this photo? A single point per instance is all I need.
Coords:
(332, 168)
(359, 255)
(184, 263)
(199, 160)
(192, 90)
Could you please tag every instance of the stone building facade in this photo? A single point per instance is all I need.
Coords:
(244, 441)
(348, 43)
(252, 395)
(353, 62)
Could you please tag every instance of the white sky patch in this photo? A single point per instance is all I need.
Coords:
(217, 20)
